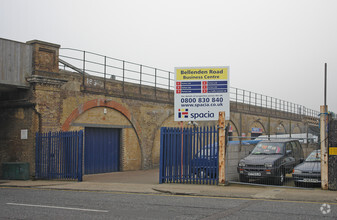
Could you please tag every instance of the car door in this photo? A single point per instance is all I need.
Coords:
(296, 152)
(289, 158)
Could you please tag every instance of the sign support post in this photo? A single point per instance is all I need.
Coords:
(182, 150)
(222, 149)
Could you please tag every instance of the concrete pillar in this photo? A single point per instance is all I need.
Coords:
(324, 147)
(332, 154)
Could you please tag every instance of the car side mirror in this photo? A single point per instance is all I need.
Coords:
(301, 160)
(288, 152)
(249, 152)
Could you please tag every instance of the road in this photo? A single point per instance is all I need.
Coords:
(29, 203)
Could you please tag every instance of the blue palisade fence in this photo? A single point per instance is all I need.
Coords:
(189, 155)
(59, 155)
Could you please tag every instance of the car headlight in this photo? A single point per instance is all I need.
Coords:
(242, 164)
(269, 165)
(297, 172)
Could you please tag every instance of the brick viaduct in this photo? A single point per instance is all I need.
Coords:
(58, 100)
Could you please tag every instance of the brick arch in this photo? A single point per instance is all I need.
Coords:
(236, 128)
(282, 126)
(294, 127)
(101, 103)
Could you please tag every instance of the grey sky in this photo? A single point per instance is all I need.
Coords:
(277, 48)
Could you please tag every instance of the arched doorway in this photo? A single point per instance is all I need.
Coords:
(111, 138)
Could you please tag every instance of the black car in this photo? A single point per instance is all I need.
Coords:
(271, 159)
(308, 172)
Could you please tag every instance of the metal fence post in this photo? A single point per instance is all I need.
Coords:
(255, 100)
(83, 78)
(161, 161)
(155, 82)
(104, 71)
(49, 148)
(169, 84)
(80, 155)
(236, 97)
(249, 99)
(123, 76)
(140, 79)
(37, 158)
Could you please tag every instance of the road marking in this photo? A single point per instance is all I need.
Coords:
(57, 207)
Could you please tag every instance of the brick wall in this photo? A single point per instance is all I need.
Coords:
(12, 147)
(62, 102)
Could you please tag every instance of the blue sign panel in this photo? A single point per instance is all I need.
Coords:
(217, 91)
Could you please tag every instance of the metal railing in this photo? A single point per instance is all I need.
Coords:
(115, 69)
(258, 100)
(110, 68)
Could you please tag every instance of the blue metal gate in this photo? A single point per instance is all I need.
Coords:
(189, 155)
(59, 155)
(102, 147)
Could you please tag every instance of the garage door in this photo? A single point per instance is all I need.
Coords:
(101, 150)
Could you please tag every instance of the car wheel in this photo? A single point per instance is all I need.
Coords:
(279, 180)
(242, 178)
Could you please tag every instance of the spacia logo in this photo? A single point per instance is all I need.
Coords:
(202, 115)
(182, 113)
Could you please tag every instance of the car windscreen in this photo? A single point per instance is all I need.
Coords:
(268, 148)
(315, 156)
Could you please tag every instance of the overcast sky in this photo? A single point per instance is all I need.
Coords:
(277, 48)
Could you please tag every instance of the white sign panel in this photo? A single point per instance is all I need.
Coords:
(24, 134)
(201, 93)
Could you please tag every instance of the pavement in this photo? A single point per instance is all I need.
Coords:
(147, 182)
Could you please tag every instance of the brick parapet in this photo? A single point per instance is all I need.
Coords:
(45, 56)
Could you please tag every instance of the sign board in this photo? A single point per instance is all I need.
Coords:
(201, 93)
(332, 150)
(24, 134)
(257, 130)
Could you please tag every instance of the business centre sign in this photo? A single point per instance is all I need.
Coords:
(201, 93)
